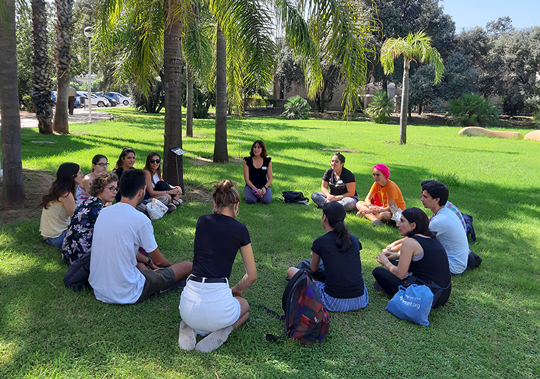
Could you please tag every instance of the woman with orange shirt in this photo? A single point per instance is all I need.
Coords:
(383, 194)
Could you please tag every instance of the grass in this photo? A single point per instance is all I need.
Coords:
(490, 328)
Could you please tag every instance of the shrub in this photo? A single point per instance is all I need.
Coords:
(473, 110)
(296, 108)
(380, 107)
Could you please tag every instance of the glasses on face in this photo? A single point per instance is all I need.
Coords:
(102, 164)
(113, 189)
(155, 160)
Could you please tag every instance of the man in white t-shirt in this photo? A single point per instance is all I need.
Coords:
(446, 225)
(118, 272)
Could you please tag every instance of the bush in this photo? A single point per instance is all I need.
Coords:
(380, 107)
(296, 108)
(536, 116)
(473, 110)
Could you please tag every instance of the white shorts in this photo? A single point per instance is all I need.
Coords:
(207, 307)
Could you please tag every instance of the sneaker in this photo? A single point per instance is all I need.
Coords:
(187, 339)
(377, 222)
(171, 207)
(214, 340)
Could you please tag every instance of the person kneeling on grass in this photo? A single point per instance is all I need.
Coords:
(118, 273)
(207, 305)
(344, 288)
(383, 194)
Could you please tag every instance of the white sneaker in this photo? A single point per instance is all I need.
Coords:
(214, 340)
(186, 337)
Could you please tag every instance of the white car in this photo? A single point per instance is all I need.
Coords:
(96, 100)
(121, 99)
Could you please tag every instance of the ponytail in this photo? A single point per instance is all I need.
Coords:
(335, 213)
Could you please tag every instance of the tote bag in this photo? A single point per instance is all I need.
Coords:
(412, 304)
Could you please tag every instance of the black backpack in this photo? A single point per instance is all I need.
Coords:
(295, 197)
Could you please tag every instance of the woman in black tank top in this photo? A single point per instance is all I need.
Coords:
(421, 255)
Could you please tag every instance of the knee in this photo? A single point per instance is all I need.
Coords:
(250, 201)
(266, 201)
(291, 271)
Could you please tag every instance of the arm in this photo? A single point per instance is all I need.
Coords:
(159, 259)
(395, 246)
(409, 247)
(251, 271)
(324, 188)
(85, 183)
(246, 178)
(146, 261)
(69, 203)
(270, 178)
(351, 189)
(315, 261)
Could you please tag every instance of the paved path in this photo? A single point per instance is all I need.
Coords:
(29, 120)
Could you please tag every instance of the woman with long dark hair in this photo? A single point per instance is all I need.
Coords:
(421, 255)
(125, 161)
(258, 174)
(78, 240)
(99, 165)
(156, 187)
(338, 185)
(344, 288)
(59, 204)
(207, 305)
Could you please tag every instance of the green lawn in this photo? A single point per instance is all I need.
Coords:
(490, 328)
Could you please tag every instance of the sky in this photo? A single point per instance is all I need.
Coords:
(470, 13)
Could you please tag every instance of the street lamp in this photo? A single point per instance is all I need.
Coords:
(89, 33)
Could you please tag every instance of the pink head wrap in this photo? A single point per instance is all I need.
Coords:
(383, 168)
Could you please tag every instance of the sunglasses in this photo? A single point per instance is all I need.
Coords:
(155, 160)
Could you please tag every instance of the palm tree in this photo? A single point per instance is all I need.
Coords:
(62, 57)
(41, 79)
(417, 46)
(12, 183)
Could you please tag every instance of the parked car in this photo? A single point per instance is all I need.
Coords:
(96, 100)
(112, 101)
(121, 99)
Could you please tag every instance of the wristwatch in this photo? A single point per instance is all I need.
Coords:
(149, 261)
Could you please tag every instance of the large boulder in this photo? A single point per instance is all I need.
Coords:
(533, 136)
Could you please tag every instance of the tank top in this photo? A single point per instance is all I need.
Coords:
(54, 220)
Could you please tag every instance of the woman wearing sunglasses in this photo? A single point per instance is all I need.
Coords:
(78, 240)
(155, 185)
(99, 165)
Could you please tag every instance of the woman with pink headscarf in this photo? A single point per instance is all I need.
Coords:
(383, 194)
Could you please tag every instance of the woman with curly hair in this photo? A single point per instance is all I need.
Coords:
(59, 204)
(78, 240)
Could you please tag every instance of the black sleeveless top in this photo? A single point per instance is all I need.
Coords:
(258, 176)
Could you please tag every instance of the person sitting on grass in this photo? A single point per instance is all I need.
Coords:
(445, 224)
(421, 255)
(258, 174)
(78, 241)
(338, 184)
(59, 204)
(207, 305)
(125, 162)
(383, 194)
(99, 165)
(344, 288)
(118, 272)
(156, 187)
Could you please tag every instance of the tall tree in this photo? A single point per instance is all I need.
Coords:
(62, 57)
(41, 79)
(221, 153)
(12, 183)
(417, 46)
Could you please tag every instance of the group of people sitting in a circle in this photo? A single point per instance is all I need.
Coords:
(126, 265)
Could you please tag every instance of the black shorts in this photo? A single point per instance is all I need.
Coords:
(156, 281)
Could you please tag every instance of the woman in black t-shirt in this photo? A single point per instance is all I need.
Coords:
(421, 255)
(258, 174)
(338, 184)
(208, 305)
(344, 288)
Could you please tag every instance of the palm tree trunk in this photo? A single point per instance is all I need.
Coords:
(62, 56)
(189, 103)
(12, 183)
(173, 165)
(41, 80)
(404, 103)
(221, 153)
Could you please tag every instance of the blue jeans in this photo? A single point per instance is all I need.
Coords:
(57, 241)
(252, 199)
(349, 203)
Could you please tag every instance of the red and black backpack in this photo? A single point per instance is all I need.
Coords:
(305, 318)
